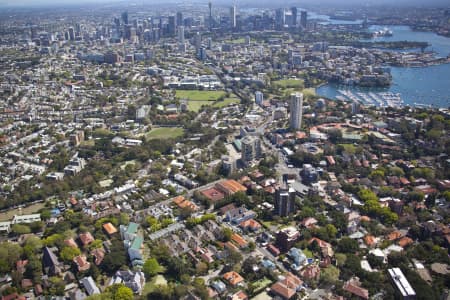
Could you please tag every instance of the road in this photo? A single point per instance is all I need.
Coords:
(264, 252)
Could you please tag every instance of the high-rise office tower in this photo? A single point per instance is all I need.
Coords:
(259, 97)
(303, 18)
(125, 17)
(210, 21)
(71, 34)
(284, 201)
(181, 34)
(233, 16)
(197, 41)
(180, 20)
(294, 16)
(172, 25)
(296, 107)
(202, 55)
(280, 18)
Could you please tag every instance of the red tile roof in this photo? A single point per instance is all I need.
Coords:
(230, 187)
(287, 287)
(239, 240)
(213, 194)
(354, 289)
(82, 263)
(233, 278)
(109, 228)
(86, 238)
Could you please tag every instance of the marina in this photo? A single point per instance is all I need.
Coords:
(382, 99)
(425, 86)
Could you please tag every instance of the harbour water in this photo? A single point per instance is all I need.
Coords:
(428, 86)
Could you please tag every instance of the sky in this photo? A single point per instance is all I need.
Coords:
(239, 2)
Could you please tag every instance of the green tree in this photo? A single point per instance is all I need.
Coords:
(340, 259)
(329, 275)
(68, 253)
(347, 245)
(9, 254)
(151, 267)
(120, 292)
(57, 286)
(124, 219)
(20, 229)
(227, 233)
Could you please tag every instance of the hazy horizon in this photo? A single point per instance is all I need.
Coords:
(33, 3)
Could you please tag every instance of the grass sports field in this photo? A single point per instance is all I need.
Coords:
(196, 99)
(165, 133)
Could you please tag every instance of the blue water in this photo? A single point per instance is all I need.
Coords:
(327, 20)
(427, 85)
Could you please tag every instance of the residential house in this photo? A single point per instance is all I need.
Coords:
(99, 255)
(240, 295)
(250, 225)
(310, 272)
(90, 286)
(86, 238)
(219, 286)
(298, 258)
(71, 243)
(135, 280)
(353, 286)
(287, 287)
(238, 240)
(82, 263)
(233, 278)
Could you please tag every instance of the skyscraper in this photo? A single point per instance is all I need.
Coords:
(197, 41)
(210, 21)
(172, 25)
(304, 18)
(280, 19)
(181, 34)
(259, 97)
(284, 201)
(296, 107)
(294, 16)
(233, 16)
(125, 17)
(71, 34)
(180, 19)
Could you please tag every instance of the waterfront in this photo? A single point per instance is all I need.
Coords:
(425, 85)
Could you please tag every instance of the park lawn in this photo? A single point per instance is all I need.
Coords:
(194, 95)
(289, 83)
(33, 208)
(196, 105)
(226, 102)
(238, 41)
(165, 133)
(152, 284)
